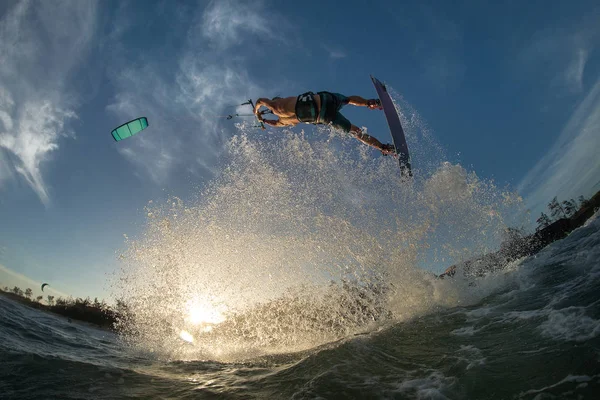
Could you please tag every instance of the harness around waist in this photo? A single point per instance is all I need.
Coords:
(329, 107)
(306, 108)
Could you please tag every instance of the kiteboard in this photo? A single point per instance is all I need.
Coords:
(396, 130)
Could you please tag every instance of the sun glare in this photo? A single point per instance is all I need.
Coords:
(202, 312)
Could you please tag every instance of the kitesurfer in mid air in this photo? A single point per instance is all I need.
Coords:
(320, 108)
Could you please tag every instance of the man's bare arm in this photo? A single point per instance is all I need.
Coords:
(262, 102)
(274, 122)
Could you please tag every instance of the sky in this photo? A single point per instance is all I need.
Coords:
(509, 90)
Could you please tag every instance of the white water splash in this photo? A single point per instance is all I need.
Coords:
(303, 239)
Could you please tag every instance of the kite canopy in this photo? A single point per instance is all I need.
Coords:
(43, 286)
(130, 128)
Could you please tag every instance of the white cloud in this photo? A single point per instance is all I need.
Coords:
(34, 136)
(334, 53)
(560, 54)
(182, 102)
(565, 57)
(40, 44)
(228, 23)
(572, 165)
(573, 75)
(205, 88)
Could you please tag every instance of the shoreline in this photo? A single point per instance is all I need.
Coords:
(102, 316)
(527, 245)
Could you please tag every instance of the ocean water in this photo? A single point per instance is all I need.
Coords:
(305, 269)
(534, 336)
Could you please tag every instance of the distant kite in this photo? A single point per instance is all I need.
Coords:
(43, 286)
(129, 129)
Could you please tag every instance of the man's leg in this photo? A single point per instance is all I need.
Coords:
(373, 104)
(358, 101)
(341, 122)
(370, 140)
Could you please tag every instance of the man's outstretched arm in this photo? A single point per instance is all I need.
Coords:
(274, 122)
(262, 102)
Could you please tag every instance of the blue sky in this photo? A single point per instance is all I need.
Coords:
(510, 91)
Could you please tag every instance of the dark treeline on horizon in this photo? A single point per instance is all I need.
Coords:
(566, 217)
(558, 210)
(95, 312)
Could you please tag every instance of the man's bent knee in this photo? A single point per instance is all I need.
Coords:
(341, 122)
(358, 133)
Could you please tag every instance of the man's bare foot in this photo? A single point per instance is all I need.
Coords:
(388, 150)
(374, 104)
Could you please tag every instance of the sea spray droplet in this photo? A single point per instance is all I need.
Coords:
(185, 335)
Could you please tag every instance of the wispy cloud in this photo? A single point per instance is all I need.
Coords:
(572, 165)
(40, 45)
(34, 136)
(563, 58)
(226, 23)
(559, 54)
(574, 73)
(183, 103)
(334, 53)
(207, 90)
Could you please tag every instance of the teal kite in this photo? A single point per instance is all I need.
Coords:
(130, 128)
